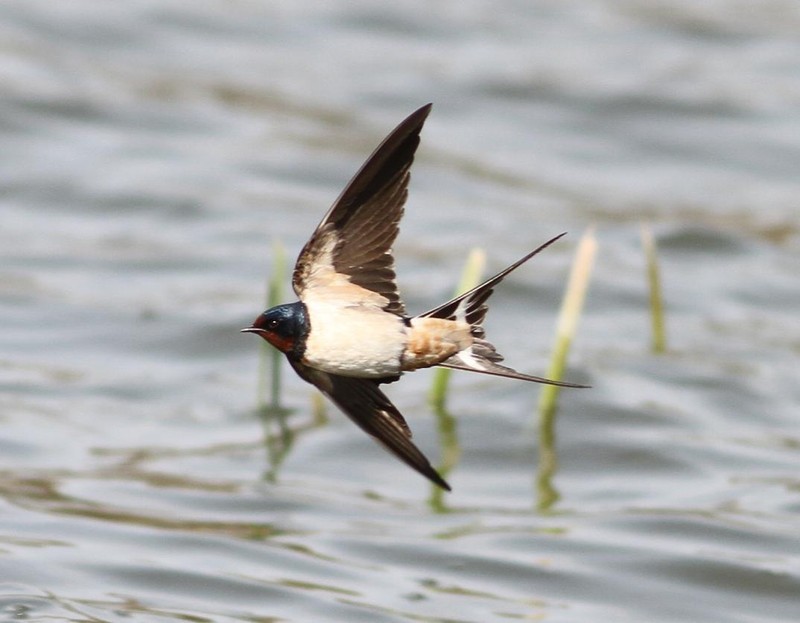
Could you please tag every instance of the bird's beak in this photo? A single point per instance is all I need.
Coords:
(252, 330)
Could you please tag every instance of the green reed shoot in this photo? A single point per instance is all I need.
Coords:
(659, 334)
(546, 493)
(470, 277)
(319, 411)
(446, 423)
(450, 451)
(568, 317)
(270, 357)
(571, 307)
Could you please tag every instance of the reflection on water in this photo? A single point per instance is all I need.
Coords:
(280, 435)
(150, 154)
(449, 452)
(546, 493)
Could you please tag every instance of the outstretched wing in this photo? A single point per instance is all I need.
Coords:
(352, 246)
(364, 403)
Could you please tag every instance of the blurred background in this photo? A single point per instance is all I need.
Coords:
(153, 156)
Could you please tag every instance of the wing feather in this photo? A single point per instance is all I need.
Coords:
(364, 403)
(355, 237)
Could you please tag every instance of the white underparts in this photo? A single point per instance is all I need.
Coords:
(354, 340)
(362, 340)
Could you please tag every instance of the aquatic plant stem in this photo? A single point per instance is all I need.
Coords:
(566, 328)
(659, 334)
(270, 357)
(568, 317)
(470, 277)
(446, 423)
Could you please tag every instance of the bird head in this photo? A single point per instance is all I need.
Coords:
(283, 326)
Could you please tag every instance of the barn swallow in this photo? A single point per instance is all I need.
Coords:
(349, 332)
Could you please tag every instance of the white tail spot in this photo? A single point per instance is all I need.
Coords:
(469, 359)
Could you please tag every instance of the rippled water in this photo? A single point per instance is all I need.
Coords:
(152, 153)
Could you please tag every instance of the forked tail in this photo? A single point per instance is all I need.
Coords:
(471, 307)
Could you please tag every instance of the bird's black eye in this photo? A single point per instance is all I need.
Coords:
(272, 323)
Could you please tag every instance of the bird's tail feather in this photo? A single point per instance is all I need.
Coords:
(471, 307)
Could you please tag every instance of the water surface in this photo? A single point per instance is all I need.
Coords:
(152, 154)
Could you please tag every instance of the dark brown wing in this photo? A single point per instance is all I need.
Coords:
(364, 403)
(353, 243)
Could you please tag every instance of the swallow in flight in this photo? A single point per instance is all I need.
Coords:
(349, 332)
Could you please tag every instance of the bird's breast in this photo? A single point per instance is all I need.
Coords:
(354, 340)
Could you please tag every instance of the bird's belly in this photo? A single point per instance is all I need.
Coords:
(354, 341)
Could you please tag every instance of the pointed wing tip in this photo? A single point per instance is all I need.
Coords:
(436, 479)
(416, 119)
(417, 461)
